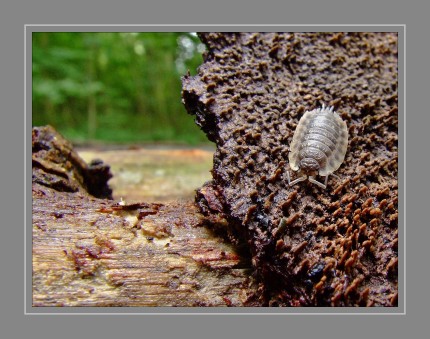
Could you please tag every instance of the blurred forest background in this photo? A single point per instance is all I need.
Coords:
(114, 87)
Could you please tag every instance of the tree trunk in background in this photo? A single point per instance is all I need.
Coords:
(92, 104)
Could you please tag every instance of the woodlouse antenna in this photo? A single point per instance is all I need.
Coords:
(295, 181)
(311, 179)
(316, 182)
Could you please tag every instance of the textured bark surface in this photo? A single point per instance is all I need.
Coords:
(55, 164)
(338, 246)
(94, 252)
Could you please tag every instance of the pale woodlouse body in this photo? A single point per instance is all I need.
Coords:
(319, 145)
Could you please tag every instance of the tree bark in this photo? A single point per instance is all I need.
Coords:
(312, 247)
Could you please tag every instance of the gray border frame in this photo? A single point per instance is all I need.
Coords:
(400, 29)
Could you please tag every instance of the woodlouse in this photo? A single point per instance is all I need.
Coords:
(319, 145)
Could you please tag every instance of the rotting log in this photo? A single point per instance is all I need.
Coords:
(310, 247)
(335, 248)
(89, 251)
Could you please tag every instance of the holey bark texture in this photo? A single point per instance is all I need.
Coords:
(310, 246)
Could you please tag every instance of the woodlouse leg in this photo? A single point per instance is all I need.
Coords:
(336, 176)
(320, 184)
(326, 177)
(291, 183)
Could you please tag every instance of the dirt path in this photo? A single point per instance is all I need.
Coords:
(154, 174)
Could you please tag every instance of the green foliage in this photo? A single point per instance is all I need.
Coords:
(114, 87)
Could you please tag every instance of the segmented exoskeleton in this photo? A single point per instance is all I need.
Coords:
(319, 145)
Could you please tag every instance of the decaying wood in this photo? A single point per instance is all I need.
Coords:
(89, 251)
(311, 247)
(57, 165)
